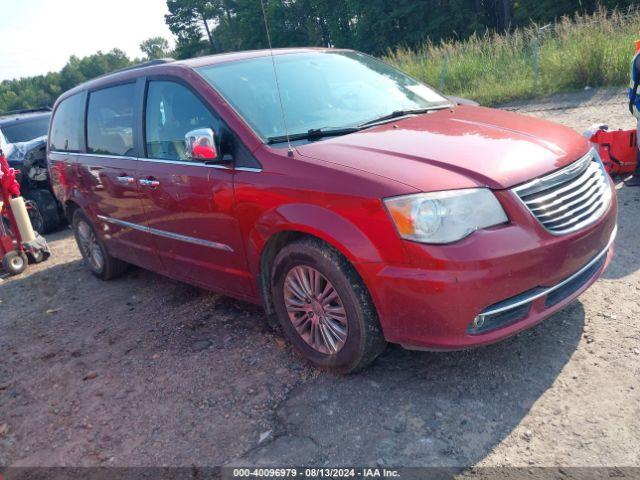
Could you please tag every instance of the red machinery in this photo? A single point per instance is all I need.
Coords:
(618, 149)
(19, 244)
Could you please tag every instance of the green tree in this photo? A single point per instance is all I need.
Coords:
(188, 19)
(42, 90)
(155, 48)
(373, 26)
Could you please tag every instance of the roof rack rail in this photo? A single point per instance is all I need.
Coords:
(150, 63)
(25, 110)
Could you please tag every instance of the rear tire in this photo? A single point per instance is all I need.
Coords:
(93, 250)
(43, 210)
(338, 330)
(14, 262)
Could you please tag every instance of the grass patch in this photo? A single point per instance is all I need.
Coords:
(585, 50)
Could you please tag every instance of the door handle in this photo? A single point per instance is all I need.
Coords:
(149, 182)
(126, 179)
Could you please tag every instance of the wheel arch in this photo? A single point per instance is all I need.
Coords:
(318, 221)
(70, 207)
(293, 222)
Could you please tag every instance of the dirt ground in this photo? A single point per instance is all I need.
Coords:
(146, 371)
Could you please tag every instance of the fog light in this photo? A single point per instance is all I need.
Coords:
(488, 321)
(478, 322)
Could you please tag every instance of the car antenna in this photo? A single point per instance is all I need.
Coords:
(275, 74)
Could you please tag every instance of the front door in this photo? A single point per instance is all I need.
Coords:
(189, 205)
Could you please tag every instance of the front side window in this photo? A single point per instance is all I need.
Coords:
(67, 125)
(319, 90)
(110, 121)
(172, 110)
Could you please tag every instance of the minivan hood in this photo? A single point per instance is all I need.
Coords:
(455, 148)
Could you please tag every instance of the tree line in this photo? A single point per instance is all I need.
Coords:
(371, 26)
(204, 27)
(42, 90)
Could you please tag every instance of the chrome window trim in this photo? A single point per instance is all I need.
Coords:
(93, 155)
(546, 291)
(166, 234)
(183, 162)
(160, 160)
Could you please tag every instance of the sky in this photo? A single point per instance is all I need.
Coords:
(39, 36)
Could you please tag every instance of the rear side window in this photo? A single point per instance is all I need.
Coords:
(110, 120)
(172, 110)
(67, 126)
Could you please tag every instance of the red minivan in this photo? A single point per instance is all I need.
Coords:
(357, 205)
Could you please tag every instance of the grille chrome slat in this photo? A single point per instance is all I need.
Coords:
(564, 188)
(589, 183)
(580, 217)
(593, 189)
(569, 199)
(572, 213)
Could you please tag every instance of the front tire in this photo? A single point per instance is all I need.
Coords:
(93, 250)
(324, 308)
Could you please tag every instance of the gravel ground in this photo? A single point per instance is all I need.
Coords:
(147, 371)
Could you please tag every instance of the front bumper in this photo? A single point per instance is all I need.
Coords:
(523, 305)
(507, 279)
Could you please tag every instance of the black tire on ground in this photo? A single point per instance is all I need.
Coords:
(364, 339)
(43, 210)
(37, 221)
(36, 256)
(95, 254)
(14, 262)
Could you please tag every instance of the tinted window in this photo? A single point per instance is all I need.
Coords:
(110, 120)
(173, 110)
(25, 130)
(67, 126)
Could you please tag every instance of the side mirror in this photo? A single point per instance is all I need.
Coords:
(200, 144)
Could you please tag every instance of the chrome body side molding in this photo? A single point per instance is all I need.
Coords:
(166, 234)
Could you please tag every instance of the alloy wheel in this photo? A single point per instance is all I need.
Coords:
(90, 247)
(315, 309)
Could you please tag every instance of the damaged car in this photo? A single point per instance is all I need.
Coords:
(23, 139)
(356, 204)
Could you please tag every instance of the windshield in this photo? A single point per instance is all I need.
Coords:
(25, 130)
(319, 90)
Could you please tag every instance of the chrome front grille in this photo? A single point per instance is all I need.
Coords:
(571, 198)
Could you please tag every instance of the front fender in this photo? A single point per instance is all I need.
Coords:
(373, 240)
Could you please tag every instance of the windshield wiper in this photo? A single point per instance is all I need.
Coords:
(399, 114)
(314, 134)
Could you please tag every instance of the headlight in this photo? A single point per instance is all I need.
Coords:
(445, 217)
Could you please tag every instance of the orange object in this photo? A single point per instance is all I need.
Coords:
(618, 150)
(637, 46)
